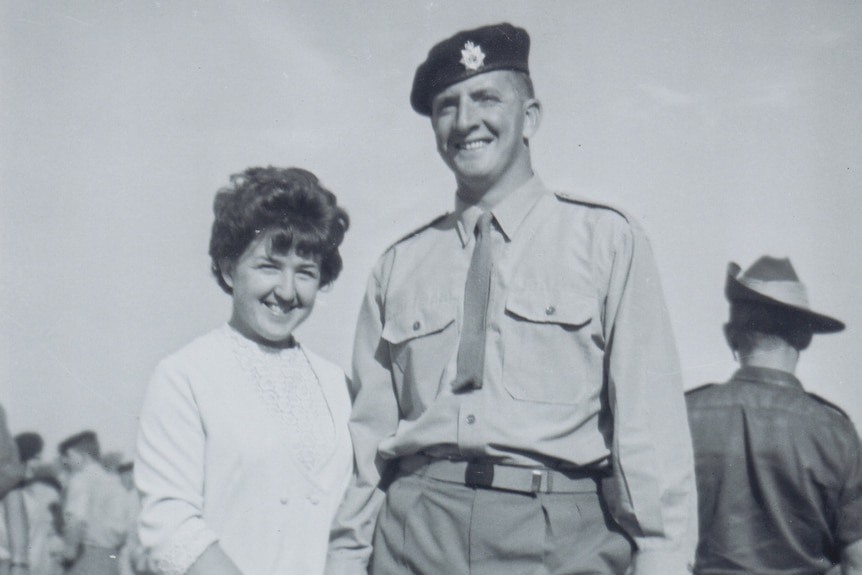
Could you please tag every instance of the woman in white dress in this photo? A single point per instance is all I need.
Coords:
(243, 450)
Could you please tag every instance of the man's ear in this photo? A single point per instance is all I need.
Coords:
(729, 336)
(533, 117)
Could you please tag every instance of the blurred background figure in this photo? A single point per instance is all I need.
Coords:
(95, 510)
(112, 461)
(779, 470)
(13, 522)
(133, 559)
(42, 501)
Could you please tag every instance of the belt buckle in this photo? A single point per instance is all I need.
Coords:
(536, 481)
(479, 474)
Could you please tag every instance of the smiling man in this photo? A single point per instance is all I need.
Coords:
(518, 407)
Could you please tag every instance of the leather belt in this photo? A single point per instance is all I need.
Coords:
(504, 477)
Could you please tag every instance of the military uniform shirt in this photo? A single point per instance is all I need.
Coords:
(580, 366)
(779, 476)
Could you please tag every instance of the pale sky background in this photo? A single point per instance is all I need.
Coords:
(728, 129)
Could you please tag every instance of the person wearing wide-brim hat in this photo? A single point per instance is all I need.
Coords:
(518, 403)
(779, 470)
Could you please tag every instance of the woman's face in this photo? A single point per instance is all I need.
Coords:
(272, 293)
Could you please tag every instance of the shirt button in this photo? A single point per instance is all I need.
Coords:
(550, 310)
(416, 326)
(284, 500)
(314, 499)
(471, 419)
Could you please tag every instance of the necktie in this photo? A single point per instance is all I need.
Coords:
(471, 350)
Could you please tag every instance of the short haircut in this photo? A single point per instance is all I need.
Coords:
(85, 442)
(30, 445)
(750, 320)
(291, 204)
(525, 84)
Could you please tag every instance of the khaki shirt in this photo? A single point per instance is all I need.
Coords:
(779, 476)
(580, 367)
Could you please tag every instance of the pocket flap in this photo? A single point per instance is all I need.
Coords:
(556, 306)
(417, 321)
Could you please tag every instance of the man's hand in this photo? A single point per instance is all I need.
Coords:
(851, 559)
(70, 553)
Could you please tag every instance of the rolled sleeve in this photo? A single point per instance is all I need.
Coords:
(169, 472)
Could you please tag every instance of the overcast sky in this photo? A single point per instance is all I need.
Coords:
(728, 129)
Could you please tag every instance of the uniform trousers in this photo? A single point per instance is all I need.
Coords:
(432, 527)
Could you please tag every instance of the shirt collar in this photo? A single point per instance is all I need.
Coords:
(509, 213)
(767, 375)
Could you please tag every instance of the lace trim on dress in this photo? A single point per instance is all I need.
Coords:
(180, 556)
(291, 391)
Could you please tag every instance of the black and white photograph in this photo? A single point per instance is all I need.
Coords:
(430, 287)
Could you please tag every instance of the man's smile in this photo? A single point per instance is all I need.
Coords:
(473, 144)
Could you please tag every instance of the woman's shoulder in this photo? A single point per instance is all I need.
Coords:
(205, 356)
(208, 346)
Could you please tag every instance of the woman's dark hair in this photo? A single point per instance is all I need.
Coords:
(291, 204)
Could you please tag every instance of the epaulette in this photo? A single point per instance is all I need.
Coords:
(699, 388)
(418, 230)
(828, 404)
(566, 197)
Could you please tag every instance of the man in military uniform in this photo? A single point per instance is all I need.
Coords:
(518, 404)
(779, 471)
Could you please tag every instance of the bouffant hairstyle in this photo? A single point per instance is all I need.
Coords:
(288, 203)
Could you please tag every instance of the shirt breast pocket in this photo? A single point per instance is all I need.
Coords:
(422, 339)
(549, 352)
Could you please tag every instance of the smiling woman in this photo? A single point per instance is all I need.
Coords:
(274, 243)
(243, 450)
(272, 293)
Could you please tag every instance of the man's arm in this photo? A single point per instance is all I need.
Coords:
(17, 530)
(11, 468)
(75, 505)
(374, 416)
(656, 501)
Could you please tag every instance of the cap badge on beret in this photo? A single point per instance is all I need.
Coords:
(472, 56)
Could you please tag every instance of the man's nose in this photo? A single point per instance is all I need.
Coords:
(466, 118)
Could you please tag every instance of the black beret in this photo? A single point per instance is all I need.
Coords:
(466, 54)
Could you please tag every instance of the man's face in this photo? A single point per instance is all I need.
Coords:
(480, 125)
(73, 459)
